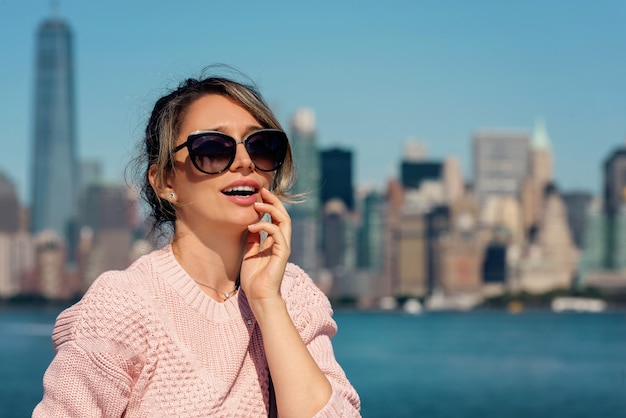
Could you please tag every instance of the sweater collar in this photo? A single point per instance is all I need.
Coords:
(171, 272)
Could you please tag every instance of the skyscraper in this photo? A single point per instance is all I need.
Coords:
(338, 220)
(615, 181)
(501, 163)
(9, 206)
(540, 176)
(614, 204)
(336, 173)
(556, 257)
(578, 204)
(335, 223)
(452, 178)
(604, 251)
(305, 244)
(53, 175)
(541, 156)
(306, 158)
(413, 173)
(371, 234)
(593, 256)
(15, 243)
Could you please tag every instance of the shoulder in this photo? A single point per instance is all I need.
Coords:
(297, 283)
(308, 306)
(137, 282)
(118, 306)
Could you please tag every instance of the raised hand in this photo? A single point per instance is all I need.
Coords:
(264, 261)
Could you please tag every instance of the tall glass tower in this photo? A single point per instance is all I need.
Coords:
(307, 160)
(305, 216)
(53, 189)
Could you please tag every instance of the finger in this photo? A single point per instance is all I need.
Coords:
(273, 231)
(279, 220)
(260, 244)
(269, 197)
(279, 217)
(276, 214)
(275, 237)
(253, 243)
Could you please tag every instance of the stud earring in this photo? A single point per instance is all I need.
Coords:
(171, 195)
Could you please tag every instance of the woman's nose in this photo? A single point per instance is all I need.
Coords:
(242, 158)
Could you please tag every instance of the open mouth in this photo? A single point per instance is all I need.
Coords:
(240, 191)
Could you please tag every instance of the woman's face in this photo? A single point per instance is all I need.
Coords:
(208, 202)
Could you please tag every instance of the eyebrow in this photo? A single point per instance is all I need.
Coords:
(247, 131)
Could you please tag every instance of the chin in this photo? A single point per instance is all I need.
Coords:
(246, 217)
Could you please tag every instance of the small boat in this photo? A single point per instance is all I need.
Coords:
(412, 306)
(577, 304)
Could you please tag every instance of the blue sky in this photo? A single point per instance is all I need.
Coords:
(375, 73)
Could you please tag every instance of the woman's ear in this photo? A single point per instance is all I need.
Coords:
(161, 185)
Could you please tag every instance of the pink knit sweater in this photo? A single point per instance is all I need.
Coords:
(147, 342)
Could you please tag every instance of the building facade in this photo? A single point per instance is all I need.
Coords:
(305, 247)
(54, 166)
(541, 176)
(336, 176)
(578, 204)
(501, 163)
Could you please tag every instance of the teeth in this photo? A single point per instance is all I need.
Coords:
(237, 189)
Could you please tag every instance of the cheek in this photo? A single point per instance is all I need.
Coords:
(195, 192)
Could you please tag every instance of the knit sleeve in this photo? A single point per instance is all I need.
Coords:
(101, 345)
(312, 315)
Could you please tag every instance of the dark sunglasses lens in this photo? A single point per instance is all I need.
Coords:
(212, 153)
(267, 149)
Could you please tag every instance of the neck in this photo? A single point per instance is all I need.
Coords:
(214, 262)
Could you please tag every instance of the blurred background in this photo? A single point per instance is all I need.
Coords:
(465, 165)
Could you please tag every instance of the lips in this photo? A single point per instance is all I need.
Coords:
(240, 191)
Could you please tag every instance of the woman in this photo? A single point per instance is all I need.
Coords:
(215, 323)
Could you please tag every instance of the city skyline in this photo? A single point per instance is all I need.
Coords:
(437, 73)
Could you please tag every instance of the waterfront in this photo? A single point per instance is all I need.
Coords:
(475, 364)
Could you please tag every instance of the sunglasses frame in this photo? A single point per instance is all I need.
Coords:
(199, 134)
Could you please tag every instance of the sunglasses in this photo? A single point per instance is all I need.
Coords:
(213, 152)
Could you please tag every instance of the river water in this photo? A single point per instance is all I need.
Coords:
(473, 364)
